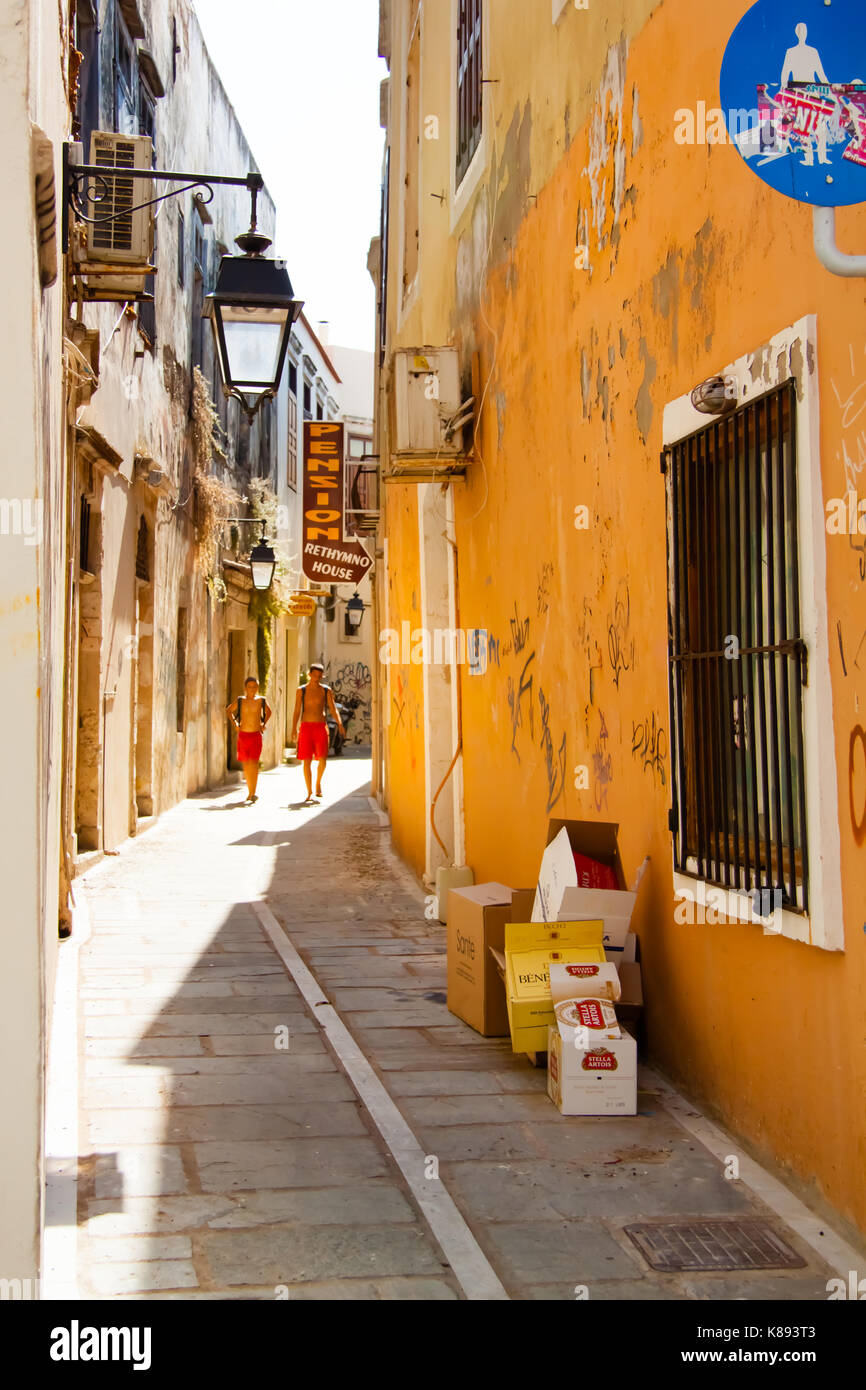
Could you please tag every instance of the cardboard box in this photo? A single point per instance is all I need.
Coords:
(476, 927)
(530, 947)
(476, 920)
(629, 1007)
(559, 896)
(585, 981)
(601, 1080)
(618, 955)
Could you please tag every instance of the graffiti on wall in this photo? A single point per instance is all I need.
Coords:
(554, 758)
(352, 685)
(620, 645)
(515, 695)
(649, 744)
(602, 765)
(543, 594)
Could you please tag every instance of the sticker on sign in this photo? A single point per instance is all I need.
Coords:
(793, 92)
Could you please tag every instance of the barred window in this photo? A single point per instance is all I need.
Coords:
(737, 659)
(468, 83)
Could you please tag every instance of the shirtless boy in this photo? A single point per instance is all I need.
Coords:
(254, 715)
(311, 703)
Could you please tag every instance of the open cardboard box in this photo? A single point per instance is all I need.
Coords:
(530, 947)
(559, 896)
(477, 916)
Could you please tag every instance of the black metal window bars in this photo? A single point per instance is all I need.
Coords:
(737, 659)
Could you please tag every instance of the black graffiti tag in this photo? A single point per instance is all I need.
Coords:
(515, 699)
(649, 744)
(554, 761)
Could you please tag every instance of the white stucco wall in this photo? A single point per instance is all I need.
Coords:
(31, 620)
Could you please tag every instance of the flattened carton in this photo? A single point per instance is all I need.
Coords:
(562, 896)
(530, 947)
(600, 1080)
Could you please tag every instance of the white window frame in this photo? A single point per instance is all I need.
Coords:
(461, 196)
(406, 302)
(793, 353)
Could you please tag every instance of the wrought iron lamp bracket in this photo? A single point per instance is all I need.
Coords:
(75, 196)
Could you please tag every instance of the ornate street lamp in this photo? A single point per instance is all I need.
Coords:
(252, 310)
(263, 561)
(354, 613)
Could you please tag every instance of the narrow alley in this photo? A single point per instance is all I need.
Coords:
(225, 1153)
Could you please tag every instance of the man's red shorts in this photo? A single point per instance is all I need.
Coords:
(249, 747)
(312, 741)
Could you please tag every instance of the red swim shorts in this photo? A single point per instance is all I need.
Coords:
(249, 747)
(312, 741)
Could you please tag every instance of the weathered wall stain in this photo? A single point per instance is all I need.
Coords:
(643, 406)
(857, 782)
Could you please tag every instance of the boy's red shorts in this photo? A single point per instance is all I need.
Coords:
(249, 747)
(312, 741)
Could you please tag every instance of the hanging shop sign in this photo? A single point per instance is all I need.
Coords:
(328, 558)
(793, 91)
(302, 605)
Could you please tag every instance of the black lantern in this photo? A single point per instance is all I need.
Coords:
(354, 613)
(252, 310)
(262, 563)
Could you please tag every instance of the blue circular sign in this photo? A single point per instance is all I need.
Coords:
(793, 92)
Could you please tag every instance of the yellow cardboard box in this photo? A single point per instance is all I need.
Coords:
(530, 947)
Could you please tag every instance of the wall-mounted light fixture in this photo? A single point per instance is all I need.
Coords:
(354, 614)
(263, 561)
(252, 308)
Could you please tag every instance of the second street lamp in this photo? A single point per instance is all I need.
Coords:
(262, 563)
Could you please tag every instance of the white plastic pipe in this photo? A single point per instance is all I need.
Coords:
(828, 253)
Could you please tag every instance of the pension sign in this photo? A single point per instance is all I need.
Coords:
(327, 556)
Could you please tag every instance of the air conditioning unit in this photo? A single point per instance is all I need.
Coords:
(122, 236)
(429, 414)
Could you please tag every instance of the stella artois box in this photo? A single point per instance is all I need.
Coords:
(584, 981)
(596, 1080)
(530, 950)
(583, 1022)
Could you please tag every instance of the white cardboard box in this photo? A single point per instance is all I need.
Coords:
(597, 1081)
(626, 952)
(558, 897)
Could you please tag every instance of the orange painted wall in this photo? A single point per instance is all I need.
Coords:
(706, 264)
(405, 732)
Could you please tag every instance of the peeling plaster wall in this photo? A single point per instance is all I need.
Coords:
(142, 408)
(691, 263)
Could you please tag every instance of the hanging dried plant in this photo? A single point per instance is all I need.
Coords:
(213, 500)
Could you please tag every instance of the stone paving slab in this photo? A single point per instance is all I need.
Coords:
(294, 1254)
(287, 1163)
(177, 1124)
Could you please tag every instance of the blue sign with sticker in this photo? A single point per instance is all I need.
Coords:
(793, 91)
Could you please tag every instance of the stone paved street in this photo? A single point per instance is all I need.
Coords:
(224, 1152)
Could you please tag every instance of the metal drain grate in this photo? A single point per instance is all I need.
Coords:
(673, 1246)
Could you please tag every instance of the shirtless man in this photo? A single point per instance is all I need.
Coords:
(311, 703)
(254, 715)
